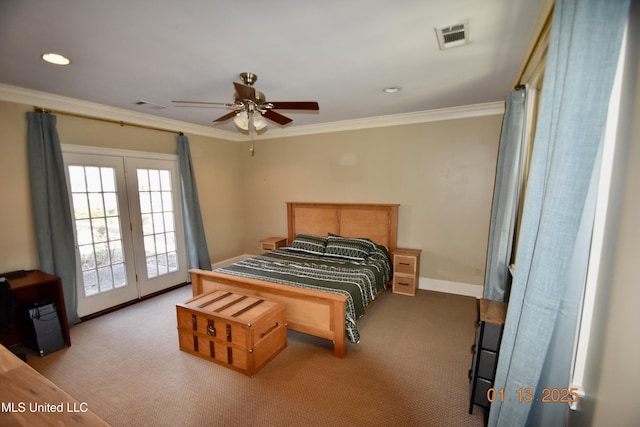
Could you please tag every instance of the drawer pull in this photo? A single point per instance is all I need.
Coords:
(275, 325)
(403, 284)
(211, 329)
(404, 263)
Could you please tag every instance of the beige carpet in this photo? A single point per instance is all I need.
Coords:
(410, 369)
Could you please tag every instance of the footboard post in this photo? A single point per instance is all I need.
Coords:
(196, 282)
(340, 340)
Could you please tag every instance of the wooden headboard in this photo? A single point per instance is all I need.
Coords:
(378, 222)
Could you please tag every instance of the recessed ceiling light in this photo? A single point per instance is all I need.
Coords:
(392, 89)
(55, 58)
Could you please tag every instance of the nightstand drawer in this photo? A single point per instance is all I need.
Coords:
(480, 395)
(405, 264)
(491, 336)
(487, 364)
(404, 285)
(272, 243)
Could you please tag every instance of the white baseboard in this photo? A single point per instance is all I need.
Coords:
(450, 287)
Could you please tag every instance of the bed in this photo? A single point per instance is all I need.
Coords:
(328, 313)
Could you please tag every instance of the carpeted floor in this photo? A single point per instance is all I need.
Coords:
(410, 369)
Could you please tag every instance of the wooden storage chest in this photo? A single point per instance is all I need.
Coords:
(238, 331)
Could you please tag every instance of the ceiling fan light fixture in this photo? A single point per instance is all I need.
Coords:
(258, 121)
(242, 120)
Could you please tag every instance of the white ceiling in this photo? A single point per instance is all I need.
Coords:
(339, 53)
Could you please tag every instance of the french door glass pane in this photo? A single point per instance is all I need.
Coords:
(98, 230)
(158, 223)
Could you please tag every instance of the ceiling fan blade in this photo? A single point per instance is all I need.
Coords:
(277, 117)
(226, 116)
(203, 103)
(245, 91)
(295, 105)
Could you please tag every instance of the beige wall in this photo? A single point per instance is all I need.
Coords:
(216, 163)
(218, 177)
(17, 244)
(441, 174)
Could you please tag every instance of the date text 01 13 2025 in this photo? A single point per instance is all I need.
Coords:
(547, 395)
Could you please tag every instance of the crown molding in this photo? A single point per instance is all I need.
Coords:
(441, 114)
(46, 100)
(50, 101)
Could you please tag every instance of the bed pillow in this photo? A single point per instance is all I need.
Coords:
(348, 248)
(308, 244)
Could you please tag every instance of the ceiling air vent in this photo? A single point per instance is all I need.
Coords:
(150, 105)
(453, 35)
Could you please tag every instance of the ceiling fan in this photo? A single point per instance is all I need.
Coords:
(251, 106)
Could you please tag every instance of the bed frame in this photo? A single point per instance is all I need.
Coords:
(312, 312)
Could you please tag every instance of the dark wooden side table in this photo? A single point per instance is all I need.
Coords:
(39, 287)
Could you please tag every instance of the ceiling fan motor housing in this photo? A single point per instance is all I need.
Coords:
(260, 98)
(248, 78)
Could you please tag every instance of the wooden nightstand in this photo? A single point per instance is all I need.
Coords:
(406, 271)
(271, 243)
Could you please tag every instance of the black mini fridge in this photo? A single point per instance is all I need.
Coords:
(42, 332)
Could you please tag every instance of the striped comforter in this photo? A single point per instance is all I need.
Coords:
(360, 281)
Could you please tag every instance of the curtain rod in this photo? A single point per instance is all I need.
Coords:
(100, 119)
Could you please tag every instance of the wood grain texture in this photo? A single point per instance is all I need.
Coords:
(312, 312)
(31, 399)
(378, 222)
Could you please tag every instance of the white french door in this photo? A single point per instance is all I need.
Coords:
(128, 228)
(158, 228)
